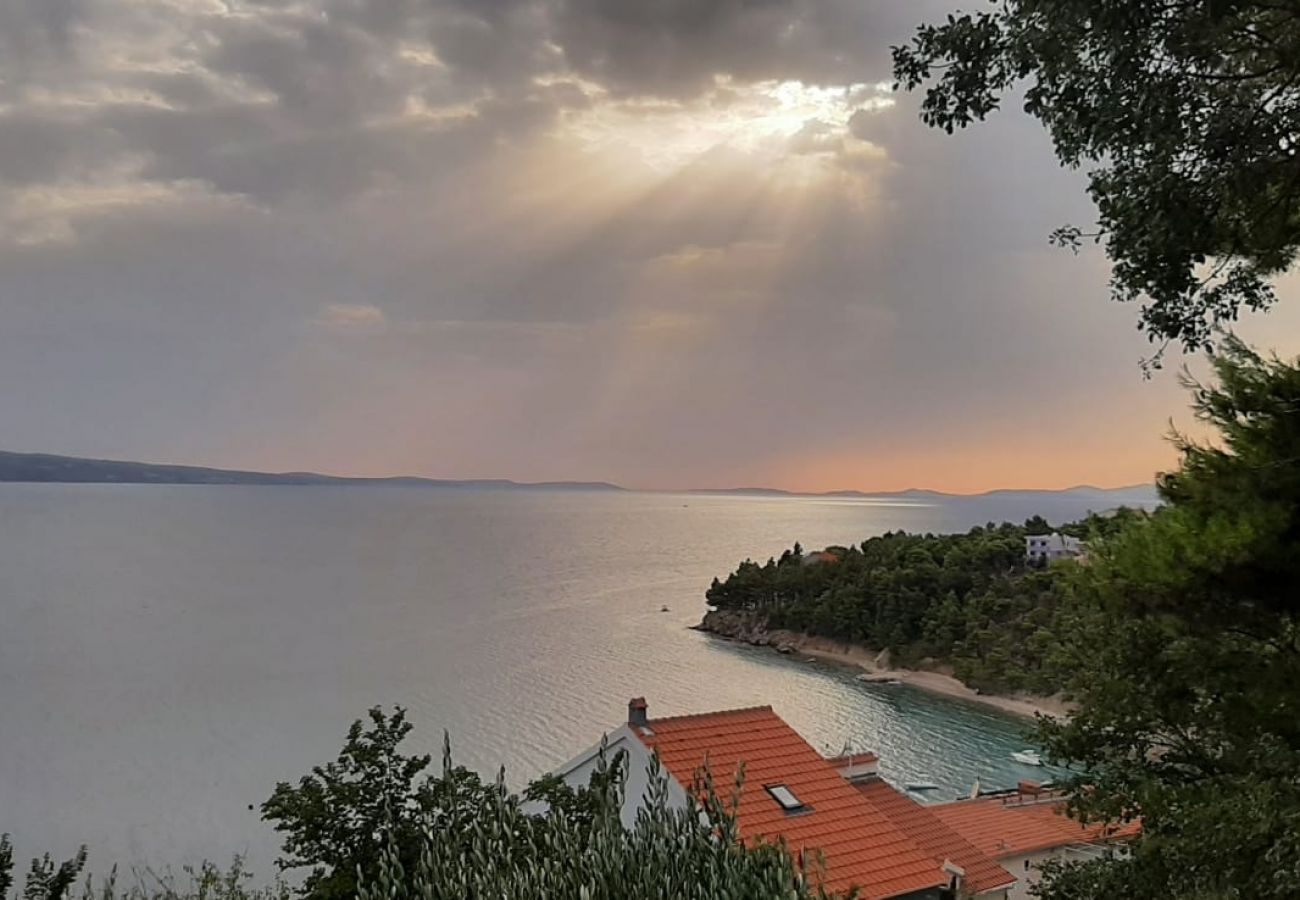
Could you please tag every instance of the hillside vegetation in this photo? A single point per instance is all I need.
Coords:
(972, 601)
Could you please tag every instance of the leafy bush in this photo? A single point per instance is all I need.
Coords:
(374, 825)
(691, 852)
(45, 881)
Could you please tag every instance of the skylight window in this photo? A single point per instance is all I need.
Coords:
(785, 797)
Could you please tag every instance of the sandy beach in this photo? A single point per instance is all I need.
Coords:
(875, 663)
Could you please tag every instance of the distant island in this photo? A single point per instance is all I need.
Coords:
(46, 467)
(49, 467)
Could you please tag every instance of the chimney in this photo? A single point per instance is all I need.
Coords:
(636, 712)
(1028, 791)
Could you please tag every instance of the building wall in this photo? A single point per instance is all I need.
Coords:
(577, 772)
(1026, 877)
(1052, 547)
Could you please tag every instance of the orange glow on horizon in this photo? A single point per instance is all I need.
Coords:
(978, 466)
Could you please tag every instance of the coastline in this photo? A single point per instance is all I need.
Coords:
(876, 664)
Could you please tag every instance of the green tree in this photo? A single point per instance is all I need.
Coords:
(338, 819)
(1188, 115)
(692, 852)
(6, 866)
(45, 880)
(376, 824)
(971, 600)
(1184, 660)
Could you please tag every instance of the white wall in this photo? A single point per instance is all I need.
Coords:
(1024, 878)
(577, 772)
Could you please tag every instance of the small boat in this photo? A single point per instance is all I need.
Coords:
(921, 786)
(878, 679)
(1028, 757)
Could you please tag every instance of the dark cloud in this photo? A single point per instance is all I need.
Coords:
(678, 47)
(31, 30)
(283, 98)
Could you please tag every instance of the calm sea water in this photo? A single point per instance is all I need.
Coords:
(167, 653)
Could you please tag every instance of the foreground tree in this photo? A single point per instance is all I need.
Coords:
(45, 881)
(1185, 661)
(373, 824)
(1189, 114)
(692, 853)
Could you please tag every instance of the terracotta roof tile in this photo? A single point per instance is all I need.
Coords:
(934, 837)
(859, 844)
(1006, 825)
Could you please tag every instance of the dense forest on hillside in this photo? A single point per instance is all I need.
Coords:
(972, 601)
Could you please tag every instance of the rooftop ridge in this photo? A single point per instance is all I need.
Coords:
(718, 713)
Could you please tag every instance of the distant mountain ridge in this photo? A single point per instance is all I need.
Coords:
(48, 467)
(1144, 494)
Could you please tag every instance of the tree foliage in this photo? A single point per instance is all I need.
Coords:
(1185, 661)
(205, 882)
(337, 818)
(971, 600)
(692, 852)
(45, 880)
(375, 824)
(1188, 114)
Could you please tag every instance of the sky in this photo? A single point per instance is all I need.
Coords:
(668, 244)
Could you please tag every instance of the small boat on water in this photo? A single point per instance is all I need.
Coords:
(1028, 757)
(878, 679)
(921, 786)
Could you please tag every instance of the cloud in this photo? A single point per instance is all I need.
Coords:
(352, 318)
(280, 103)
(677, 48)
(668, 242)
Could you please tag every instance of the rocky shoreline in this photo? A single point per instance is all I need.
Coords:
(753, 630)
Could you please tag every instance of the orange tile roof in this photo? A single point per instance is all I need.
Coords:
(859, 844)
(1007, 825)
(934, 837)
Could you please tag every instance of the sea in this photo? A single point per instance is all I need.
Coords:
(168, 653)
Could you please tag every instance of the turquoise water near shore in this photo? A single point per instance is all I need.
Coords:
(167, 653)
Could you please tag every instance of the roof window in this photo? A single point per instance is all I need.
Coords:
(785, 797)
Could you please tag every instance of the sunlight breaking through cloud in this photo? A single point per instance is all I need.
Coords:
(763, 119)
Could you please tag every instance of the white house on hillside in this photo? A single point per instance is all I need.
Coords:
(1048, 547)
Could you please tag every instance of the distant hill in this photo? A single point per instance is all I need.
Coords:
(1131, 495)
(46, 467)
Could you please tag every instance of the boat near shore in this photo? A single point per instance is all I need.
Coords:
(1028, 757)
(878, 679)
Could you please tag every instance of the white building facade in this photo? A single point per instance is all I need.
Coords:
(1045, 548)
